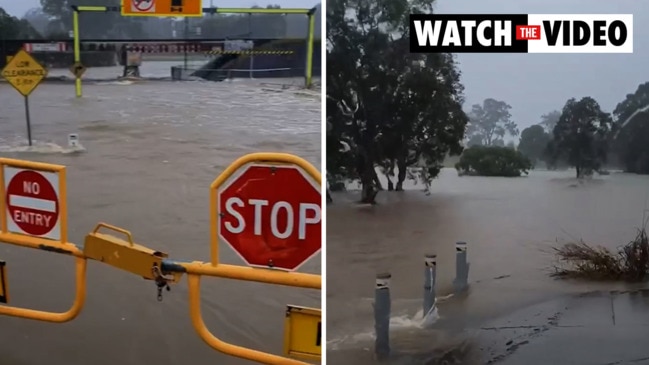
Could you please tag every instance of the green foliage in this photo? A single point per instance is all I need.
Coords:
(581, 135)
(390, 108)
(534, 141)
(493, 161)
(632, 139)
(490, 123)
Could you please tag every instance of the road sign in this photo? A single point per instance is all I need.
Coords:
(78, 69)
(173, 8)
(32, 202)
(24, 73)
(303, 333)
(270, 215)
(4, 287)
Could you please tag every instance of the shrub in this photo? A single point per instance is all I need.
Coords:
(493, 161)
(629, 263)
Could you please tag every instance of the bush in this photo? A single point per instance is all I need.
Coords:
(493, 161)
(629, 263)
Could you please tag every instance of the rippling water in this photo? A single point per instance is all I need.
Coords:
(151, 151)
(510, 226)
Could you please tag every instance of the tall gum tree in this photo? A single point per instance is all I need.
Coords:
(394, 110)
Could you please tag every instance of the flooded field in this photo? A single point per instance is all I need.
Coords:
(510, 226)
(151, 150)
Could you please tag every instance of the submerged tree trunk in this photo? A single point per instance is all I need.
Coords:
(368, 180)
(377, 181)
(401, 165)
(369, 190)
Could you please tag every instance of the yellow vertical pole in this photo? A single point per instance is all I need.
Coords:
(308, 76)
(77, 49)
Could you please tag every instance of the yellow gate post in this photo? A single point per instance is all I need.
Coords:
(76, 9)
(145, 262)
(9, 169)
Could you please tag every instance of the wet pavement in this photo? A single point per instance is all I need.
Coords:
(593, 328)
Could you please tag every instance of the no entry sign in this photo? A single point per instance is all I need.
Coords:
(270, 215)
(32, 203)
(142, 6)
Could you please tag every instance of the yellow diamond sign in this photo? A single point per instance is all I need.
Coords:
(24, 73)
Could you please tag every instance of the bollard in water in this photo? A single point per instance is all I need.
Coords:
(430, 270)
(461, 267)
(382, 304)
(73, 140)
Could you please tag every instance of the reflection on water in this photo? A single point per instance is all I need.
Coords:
(151, 151)
(510, 225)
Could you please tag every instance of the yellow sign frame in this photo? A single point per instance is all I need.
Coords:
(60, 170)
(310, 13)
(4, 285)
(298, 321)
(24, 56)
(194, 270)
(126, 4)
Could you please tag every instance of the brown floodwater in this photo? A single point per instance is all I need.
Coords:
(151, 151)
(510, 225)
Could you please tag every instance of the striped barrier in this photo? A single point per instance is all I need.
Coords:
(249, 52)
(206, 49)
(172, 48)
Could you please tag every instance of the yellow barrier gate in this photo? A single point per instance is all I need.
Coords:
(248, 202)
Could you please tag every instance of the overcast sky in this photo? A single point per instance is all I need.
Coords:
(534, 84)
(19, 7)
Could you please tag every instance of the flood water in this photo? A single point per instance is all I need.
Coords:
(152, 148)
(509, 224)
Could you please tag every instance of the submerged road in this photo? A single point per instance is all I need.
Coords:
(595, 328)
(151, 151)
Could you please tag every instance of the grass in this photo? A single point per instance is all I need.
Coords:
(583, 261)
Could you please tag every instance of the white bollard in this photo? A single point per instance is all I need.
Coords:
(73, 140)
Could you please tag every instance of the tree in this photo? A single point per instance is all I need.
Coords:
(493, 161)
(631, 142)
(37, 19)
(581, 135)
(534, 141)
(549, 120)
(490, 122)
(394, 109)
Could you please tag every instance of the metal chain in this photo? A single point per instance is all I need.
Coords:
(161, 281)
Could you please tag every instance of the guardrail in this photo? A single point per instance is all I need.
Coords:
(33, 214)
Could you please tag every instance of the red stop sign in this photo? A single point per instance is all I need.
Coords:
(270, 216)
